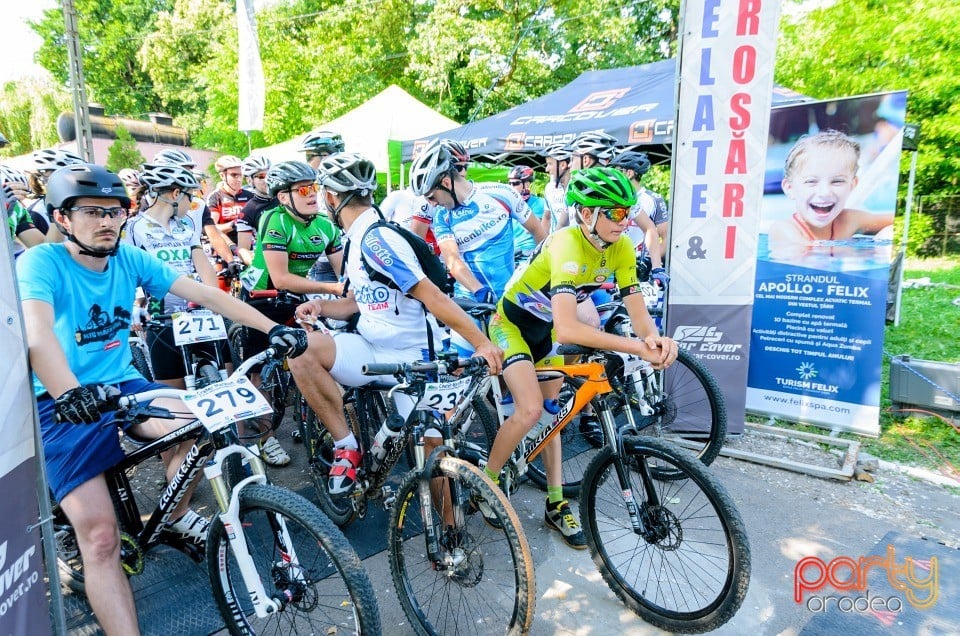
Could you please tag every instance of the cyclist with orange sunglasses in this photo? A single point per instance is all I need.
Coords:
(539, 309)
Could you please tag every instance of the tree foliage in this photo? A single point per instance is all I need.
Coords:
(123, 153)
(28, 114)
(867, 46)
(111, 32)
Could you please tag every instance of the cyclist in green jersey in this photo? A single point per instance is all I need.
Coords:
(293, 235)
(539, 309)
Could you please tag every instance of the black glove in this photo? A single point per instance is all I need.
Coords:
(659, 275)
(234, 267)
(81, 404)
(485, 295)
(288, 341)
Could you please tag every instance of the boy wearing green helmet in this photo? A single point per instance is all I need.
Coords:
(539, 309)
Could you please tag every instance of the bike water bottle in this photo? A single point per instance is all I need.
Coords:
(550, 409)
(384, 439)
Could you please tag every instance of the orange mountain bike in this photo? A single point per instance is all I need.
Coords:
(674, 550)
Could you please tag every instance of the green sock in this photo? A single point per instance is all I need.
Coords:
(494, 476)
(554, 494)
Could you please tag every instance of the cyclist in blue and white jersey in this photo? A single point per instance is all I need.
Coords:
(473, 223)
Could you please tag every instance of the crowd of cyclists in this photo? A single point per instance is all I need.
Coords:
(86, 237)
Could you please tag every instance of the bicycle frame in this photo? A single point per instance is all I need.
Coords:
(220, 443)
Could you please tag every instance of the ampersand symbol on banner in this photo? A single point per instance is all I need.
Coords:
(695, 248)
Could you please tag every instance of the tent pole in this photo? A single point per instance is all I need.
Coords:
(904, 237)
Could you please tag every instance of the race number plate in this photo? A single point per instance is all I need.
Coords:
(223, 403)
(443, 396)
(198, 326)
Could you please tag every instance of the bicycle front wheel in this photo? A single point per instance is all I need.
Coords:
(687, 568)
(318, 579)
(690, 411)
(483, 580)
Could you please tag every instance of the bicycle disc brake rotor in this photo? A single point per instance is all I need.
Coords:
(663, 528)
(292, 582)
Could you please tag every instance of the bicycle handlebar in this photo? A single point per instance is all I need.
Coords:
(470, 366)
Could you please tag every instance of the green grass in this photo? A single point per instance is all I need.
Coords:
(929, 330)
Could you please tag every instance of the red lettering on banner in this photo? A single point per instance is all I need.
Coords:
(736, 155)
(730, 245)
(748, 17)
(738, 104)
(733, 199)
(744, 64)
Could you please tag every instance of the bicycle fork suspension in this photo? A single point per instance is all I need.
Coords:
(616, 444)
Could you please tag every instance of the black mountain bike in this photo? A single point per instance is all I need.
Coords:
(449, 567)
(282, 567)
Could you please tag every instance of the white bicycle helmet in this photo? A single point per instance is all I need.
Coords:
(596, 144)
(556, 151)
(348, 172)
(130, 178)
(53, 158)
(174, 157)
(226, 162)
(159, 177)
(432, 164)
(13, 176)
(255, 164)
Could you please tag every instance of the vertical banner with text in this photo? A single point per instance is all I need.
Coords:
(23, 591)
(823, 261)
(726, 78)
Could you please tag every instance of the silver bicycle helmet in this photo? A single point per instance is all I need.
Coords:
(432, 164)
(174, 157)
(348, 172)
(130, 178)
(53, 158)
(596, 144)
(255, 164)
(159, 177)
(13, 176)
(558, 151)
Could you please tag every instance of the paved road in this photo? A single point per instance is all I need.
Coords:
(788, 516)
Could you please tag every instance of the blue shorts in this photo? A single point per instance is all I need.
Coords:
(76, 453)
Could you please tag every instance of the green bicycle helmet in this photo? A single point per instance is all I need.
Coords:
(600, 186)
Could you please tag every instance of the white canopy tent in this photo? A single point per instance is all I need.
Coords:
(391, 114)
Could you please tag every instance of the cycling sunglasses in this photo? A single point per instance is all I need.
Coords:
(100, 212)
(516, 183)
(306, 190)
(615, 214)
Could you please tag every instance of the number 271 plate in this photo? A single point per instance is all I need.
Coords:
(223, 403)
(197, 326)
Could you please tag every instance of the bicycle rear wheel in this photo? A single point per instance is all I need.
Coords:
(688, 568)
(690, 411)
(319, 579)
(484, 583)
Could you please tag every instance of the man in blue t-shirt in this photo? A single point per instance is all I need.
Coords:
(76, 300)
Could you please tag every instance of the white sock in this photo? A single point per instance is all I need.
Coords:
(347, 442)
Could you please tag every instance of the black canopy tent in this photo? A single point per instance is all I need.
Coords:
(634, 104)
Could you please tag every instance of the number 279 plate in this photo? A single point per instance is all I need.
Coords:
(223, 403)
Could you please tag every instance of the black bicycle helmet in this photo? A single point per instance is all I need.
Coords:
(432, 164)
(83, 180)
(283, 175)
(632, 160)
(347, 172)
(322, 142)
